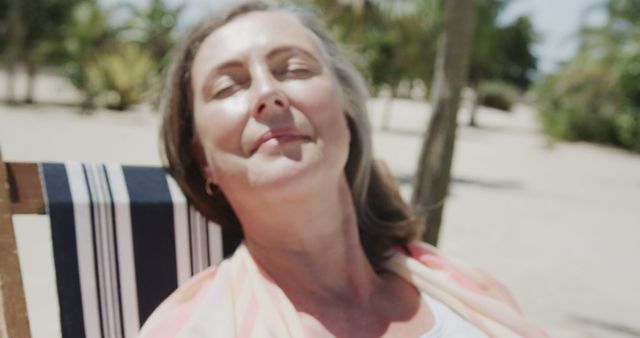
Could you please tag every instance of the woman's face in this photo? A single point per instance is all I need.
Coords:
(267, 109)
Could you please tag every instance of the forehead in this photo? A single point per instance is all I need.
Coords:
(255, 32)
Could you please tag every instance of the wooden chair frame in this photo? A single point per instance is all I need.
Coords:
(20, 193)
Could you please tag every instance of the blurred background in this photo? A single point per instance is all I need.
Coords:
(112, 55)
(545, 183)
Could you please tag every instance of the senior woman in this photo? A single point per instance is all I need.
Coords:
(266, 131)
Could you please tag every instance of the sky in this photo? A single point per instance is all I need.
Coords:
(557, 23)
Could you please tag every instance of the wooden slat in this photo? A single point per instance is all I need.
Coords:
(13, 315)
(25, 188)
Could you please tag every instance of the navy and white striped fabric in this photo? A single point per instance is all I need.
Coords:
(123, 239)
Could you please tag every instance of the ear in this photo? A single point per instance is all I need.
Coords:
(197, 151)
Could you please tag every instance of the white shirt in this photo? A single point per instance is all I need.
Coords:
(448, 323)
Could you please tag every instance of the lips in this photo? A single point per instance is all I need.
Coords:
(281, 135)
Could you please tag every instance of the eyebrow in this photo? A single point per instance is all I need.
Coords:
(291, 49)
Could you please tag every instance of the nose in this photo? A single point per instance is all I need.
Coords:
(270, 98)
(273, 102)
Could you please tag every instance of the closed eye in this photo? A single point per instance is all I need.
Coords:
(225, 86)
(294, 70)
(299, 69)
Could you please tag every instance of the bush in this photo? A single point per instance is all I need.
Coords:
(628, 76)
(628, 127)
(497, 94)
(121, 77)
(583, 102)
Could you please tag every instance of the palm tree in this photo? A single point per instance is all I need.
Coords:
(451, 72)
(86, 35)
(501, 53)
(152, 26)
(34, 34)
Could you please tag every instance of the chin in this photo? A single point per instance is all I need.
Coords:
(281, 173)
(294, 177)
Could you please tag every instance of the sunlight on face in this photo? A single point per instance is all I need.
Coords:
(266, 107)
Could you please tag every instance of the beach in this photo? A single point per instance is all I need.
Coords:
(557, 222)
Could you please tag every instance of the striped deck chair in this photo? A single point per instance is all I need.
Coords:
(123, 239)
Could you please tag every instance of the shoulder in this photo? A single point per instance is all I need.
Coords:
(470, 278)
(174, 312)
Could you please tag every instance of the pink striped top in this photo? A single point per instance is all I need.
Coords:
(238, 299)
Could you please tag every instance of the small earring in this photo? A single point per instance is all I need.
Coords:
(210, 188)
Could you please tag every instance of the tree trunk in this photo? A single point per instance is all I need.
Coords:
(451, 71)
(31, 81)
(15, 36)
(477, 101)
(387, 108)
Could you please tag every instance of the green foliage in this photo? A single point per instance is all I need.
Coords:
(411, 30)
(577, 103)
(40, 24)
(502, 52)
(627, 125)
(86, 35)
(389, 41)
(596, 96)
(43, 21)
(498, 94)
(81, 36)
(152, 27)
(582, 102)
(119, 65)
(4, 26)
(628, 75)
(397, 40)
(121, 76)
(30, 35)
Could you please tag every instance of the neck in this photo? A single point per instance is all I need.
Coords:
(312, 247)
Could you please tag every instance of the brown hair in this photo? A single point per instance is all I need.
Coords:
(384, 220)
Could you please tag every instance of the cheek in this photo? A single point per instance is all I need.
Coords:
(219, 126)
(331, 114)
(322, 106)
(319, 100)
